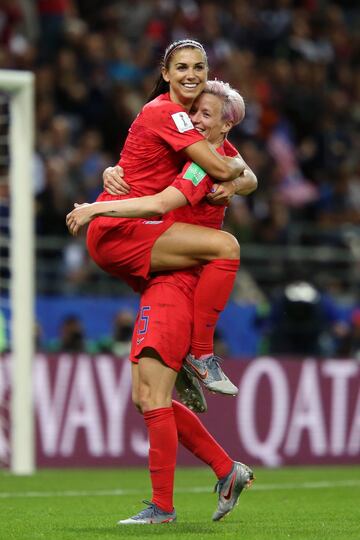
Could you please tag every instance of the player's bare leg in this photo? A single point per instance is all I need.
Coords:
(153, 387)
(182, 246)
(156, 382)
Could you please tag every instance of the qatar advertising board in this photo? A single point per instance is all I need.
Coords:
(288, 411)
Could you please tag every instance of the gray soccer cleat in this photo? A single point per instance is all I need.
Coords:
(150, 516)
(211, 375)
(190, 392)
(230, 487)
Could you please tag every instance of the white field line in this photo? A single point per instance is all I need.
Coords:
(199, 489)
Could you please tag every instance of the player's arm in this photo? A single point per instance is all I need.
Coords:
(115, 184)
(222, 168)
(148, 206)
(245, 184)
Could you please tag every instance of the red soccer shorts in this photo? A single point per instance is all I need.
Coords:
(122, 247)
(164, 322)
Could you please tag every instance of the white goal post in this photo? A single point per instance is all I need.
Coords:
(19, 85)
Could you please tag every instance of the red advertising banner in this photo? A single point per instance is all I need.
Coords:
(287, 412)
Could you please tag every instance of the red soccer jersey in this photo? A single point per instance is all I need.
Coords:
(195, 185)
(151, 156)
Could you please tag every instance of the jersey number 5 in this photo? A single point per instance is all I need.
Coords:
(144, 319)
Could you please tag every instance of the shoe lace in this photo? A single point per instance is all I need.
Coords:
(217, 360)
(214, 366)
(151, 507)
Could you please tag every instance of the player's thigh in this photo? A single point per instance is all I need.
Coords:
(156, 381)
(135, 385)
(184, 245)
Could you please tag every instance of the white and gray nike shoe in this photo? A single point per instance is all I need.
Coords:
(230, 487)
(210, 374)
(150, 516)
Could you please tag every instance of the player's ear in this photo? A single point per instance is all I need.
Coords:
(226, 127)
(165, 75)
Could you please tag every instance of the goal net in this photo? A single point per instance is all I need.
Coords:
(16, 271)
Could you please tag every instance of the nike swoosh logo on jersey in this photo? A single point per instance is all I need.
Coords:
(139, 340)
(227, 496)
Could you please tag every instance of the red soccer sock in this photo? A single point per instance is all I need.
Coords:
(211, 294)
(196, 438)
(163, 440)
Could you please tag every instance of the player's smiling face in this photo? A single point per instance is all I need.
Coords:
(206, 115)
(187, 75)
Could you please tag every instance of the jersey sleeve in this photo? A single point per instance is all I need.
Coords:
(193, 182)
(172, 124)
(229, 149)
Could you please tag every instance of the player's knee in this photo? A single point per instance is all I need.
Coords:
(135, 399)
(139, 409)
(149, 401)
(229, 247)
(142, 400)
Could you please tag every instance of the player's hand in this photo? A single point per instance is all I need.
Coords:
(80, 216)
(221, 194)
(114, 183)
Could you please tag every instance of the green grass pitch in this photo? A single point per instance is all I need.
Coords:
(285, 503)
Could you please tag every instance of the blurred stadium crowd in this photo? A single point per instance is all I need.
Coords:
(297, 65)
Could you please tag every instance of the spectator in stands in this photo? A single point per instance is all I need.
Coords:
(119, 343)
(298, 321)
(52, 16)
(71, 337)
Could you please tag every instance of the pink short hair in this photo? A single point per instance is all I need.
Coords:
(233, 103)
